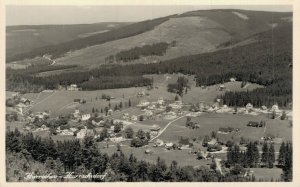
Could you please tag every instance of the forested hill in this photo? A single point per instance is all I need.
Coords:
(195, 32)
(267, 61)
(61, 48)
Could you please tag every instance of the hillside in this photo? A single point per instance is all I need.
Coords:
(24, 38)
(57, 50)
(194, 32)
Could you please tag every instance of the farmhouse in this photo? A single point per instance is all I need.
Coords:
(275, 108)
(85, 132)
(143, 104)
(98, 122)
(169, 145)
(249, 107)
(81, 101)
(232, 79)
(264, 107)
(85, 117)
(253, 124)
(25, 101)
(222, 87)
(160, 101)
(72, 87)
(212, 142)
(110, 112)
(134, 118)
(154, 130)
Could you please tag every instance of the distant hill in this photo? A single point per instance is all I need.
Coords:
(25, 38)
(195, 32)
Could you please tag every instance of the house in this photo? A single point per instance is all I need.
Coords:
(253, 124)
(126, 116)
(169, 145)
(264, 107)
(148, 151)
(143, 104)
(275, 108)
(249, 107)
(232, 79)
(98, 121)
(160, 101)
(85, 117)
(25, 101)
(222, 87)
(148, 113)
(134, 118)
(159, 142)
(67, 132)
(212, 142)
(72, 87)
(154, 130)
(110, 112)
(141, 94)
(85, 132)
(81, 101)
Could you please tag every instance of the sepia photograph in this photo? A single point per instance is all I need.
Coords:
(148, 93)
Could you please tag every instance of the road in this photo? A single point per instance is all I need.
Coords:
(39, 102)
(160, 132)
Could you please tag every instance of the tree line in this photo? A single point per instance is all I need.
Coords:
(85, 157)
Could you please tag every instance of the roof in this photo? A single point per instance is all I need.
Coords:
(212, 142)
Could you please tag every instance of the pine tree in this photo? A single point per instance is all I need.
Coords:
(129, 103)
(271, 156)
(282, 154)
(265, 154)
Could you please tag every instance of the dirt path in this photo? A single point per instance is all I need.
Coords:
(66, 106)
(160, 132)
(218, 165)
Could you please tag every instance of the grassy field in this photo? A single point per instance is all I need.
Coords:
(181, 156)
(212, 122)
(266, 173)
(204, 35)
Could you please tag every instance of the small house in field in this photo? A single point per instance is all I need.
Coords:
(275, 108)
(154, 130)
(25, 101)
(110, 112)
(249, 107)
(264, 107)
(85, 132)
(169, 145)
(134, 118)
(148, 151)
(81, 101)
(222, 87)
(232, 79)
(73, 87)
(212, 142)
(253, 124)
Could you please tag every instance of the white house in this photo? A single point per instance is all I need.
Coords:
(232, 79)
(249, 106)
(275, 108)
(73, 87)
(85, 117)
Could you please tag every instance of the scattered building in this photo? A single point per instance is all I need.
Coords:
(154, 130)
(73, 87)
(85, 117)
(85, 132)
(232, 79)
(249, 107)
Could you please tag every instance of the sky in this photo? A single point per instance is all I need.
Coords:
(42, 15)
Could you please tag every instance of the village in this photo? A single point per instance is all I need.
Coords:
(146, 126)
